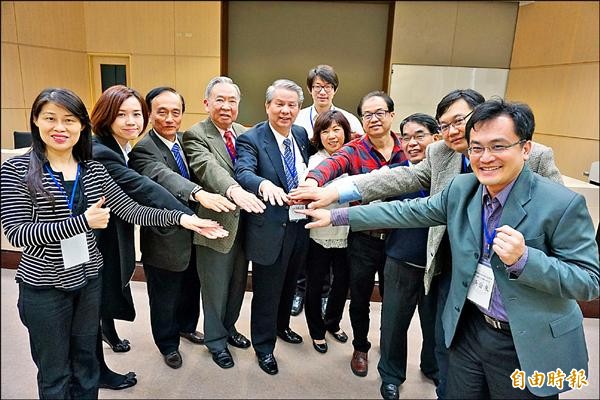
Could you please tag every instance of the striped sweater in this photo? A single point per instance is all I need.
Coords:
(38, 229)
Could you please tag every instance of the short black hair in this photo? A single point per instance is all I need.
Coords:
(520, 113)
(324, 121)
(422, 119)
(158, 90)
(325, 72)
(377, 93)
(472, 97)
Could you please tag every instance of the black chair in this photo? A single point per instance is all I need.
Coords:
(22, 139)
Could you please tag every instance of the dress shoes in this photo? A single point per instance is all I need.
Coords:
(173, 359)
(267, 363)
(238, 340)
(128, 380)
(120, 346)
(290, 336)
(223, 358)
(320, 347)
(340, 336)
(297, 304)
(194, 337)
(359, 363)
(389, 391)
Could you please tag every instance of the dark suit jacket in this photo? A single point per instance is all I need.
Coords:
(259, 158)
(116, 242)
(165, 248)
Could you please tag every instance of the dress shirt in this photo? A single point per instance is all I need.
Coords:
(307, 117)
(300, 165)
(125, 150)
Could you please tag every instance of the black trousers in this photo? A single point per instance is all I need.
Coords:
(366, 255)
(174, 304)
(273, 289)
(481, 361)
(441, 351)
(63, 328)
(320, 261)
(404, 292)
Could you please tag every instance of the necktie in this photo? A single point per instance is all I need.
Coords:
(290, 165)
(230, 145)
(179, 161)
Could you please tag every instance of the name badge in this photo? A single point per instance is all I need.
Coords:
(480, 291)
(293, 215)
(75, 251)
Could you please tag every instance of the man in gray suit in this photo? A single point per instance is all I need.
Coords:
(444, 160)
(167, 253)
(222, 265)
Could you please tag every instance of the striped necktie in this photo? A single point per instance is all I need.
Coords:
(179, 160)
(290, 165)
(230, 145)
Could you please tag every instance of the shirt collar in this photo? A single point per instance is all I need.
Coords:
(168, 143)
(502, 196)
(314, 114)
(222, 131)
(279, 137)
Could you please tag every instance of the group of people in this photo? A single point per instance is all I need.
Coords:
(491, 265)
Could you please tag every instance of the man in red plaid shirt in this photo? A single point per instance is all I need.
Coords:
(380, 147)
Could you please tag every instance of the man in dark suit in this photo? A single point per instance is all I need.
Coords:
(167, 254)
(271, 158)
(211, 149)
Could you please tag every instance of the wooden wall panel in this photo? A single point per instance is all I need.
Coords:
(56, 24)
(148, 72)
(12, 85)
(573, 156)
(190, 119)
(44, 68)
(191, 77)
(564, 98)
(129, 27)
(197, 28)
(13, 120)
(9, 27)
(556, 33)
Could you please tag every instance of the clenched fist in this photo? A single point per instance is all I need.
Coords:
(96, 216)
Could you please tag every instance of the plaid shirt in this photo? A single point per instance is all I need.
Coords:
(356, 157)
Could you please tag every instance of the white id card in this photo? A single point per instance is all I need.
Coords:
(293, 215)
(480, 291)
(75, 250)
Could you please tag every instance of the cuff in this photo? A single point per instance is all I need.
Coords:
(339, 216)
(516, 269)
(348, 192)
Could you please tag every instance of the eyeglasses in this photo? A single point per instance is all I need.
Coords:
(379, 114)
(495, 149)
(458, 122)
(318, 88)
(418, 137)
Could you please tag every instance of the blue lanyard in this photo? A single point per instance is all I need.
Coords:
(291, 169)
(58, 185)
(465, 164)
(310, 117)
(489, 237)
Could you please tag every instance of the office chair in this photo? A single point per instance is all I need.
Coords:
(22, 139)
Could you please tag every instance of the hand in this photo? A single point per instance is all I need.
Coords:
(246, 200)
(509, 244)
(320, 218)
(320, 196)
(354, 135)
(96, 216)
(214, 201)
(205, 227)
(309, 182)
(273, 194)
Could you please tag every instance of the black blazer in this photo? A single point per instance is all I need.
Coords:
(259, 158)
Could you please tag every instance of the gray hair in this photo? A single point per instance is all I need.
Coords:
(221, 79)
(287, 85)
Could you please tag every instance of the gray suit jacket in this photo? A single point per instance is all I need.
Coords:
(165, 248)
(211, 166)
(562, 263)
(440, 165)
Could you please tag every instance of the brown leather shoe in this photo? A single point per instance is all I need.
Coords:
(359, 363)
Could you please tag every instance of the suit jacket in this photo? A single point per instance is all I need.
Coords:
(562, 265)
(211, 167)
(165, 248)
(116, 241)
(440, 165)
(259, 158)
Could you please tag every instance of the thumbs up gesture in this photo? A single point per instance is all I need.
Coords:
(96, 216)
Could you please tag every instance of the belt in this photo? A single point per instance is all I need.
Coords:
(379, 235)
(496, 324)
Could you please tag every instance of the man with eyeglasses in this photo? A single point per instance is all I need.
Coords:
(380, 147)
(519, 261)
(443, 161)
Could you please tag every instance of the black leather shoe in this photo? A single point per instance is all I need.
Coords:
(389, 391)
(128, 380)
(340, 337)
(194, 337)
(121, 346)
(290, 336)
(268, 363)
(320, 347)
(238, 340)
(173, 359)
(297, 304)
(223, 359)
